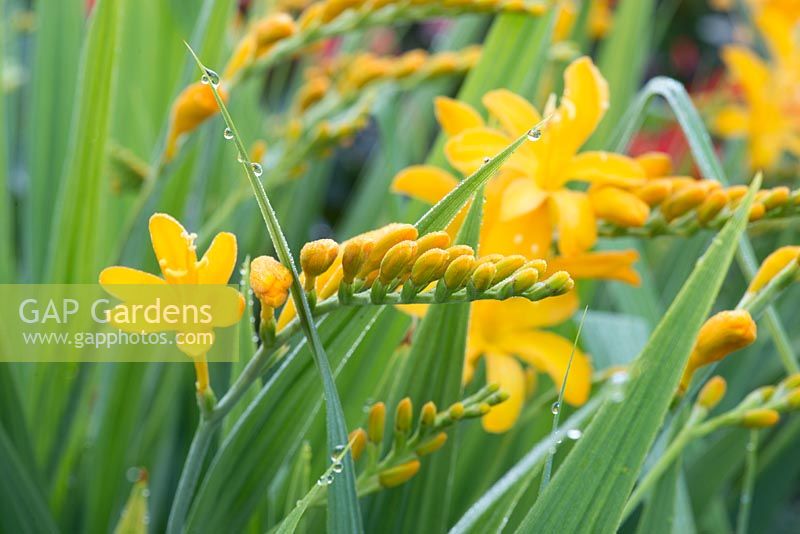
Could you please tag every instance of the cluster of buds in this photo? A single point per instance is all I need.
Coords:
(409, 444)
(681, 205)
(270, 281)
(394, 265)
(724, 333)
(351, 74)
(761, 408)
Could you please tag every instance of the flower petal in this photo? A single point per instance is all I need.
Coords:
(515, 114)
(587, 98)
(732, 121)
(618, 206)
(468, 150)
(606, 168)
(530, 234)
(576, 224)
(748, 70)
(655, 164)
(219, 260)
(454, 117)
(507, 372)
(170, 243)
(495, 323)
(424, 182)
(611, 265)
(118, 275)
(520, 197)
(551, 353)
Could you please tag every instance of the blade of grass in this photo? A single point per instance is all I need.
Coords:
(711, 168)
(75, 254)
(343, 510)
(591, 487)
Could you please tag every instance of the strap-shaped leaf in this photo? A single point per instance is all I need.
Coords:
(589, 491)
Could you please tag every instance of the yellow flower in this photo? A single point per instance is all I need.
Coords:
(770, 114)
(509, 334)
(177, 257)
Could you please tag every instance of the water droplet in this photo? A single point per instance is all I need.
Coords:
(617, 397)
(145, 493)
(619, 378)
(257, 170)
(552, 450)
(227, 134)
(555, 409)
(322, 481)
(560, 441)
(146, 519)
(255, 339)
(132, 474)
(486, 160)
(574, 433)
(210, 77)
(750, 447)
(534, 134)
(338, 467)
(336, 455)
(239, 157)
(298, 502)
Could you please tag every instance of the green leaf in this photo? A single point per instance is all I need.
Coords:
(343, 510)
(135, 518)
(590, 489)
(76, 254)
(22, 506)
(6, 214)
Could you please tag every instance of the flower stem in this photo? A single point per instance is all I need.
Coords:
(746, 498)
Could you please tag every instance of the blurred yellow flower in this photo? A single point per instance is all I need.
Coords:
(177, 257)
(770, 112)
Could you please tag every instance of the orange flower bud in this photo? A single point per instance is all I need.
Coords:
(722, 334)
(712, 392)
(456, 411)
(334, 8)
(776, 197)
(772, 265)
(683, 201)
(272, 29)
(312, 92)
(358, 439)
(760, 418)
(711, 206)
(385, 238)
(397, 260)
(394, 476)
(311, 16)
(409, 63)
(354, 256)
(524, 279)
(654, 192)
(428, 414)
(483, 275)
(317, 256)
(619, 206)
(432, 445)
(403, 416)
(376, 422)
(429, 266)
(757, 211)
(270, 281)
(735, 194)
(242, 56)
(433, 240)
(655, 164)
(192, 107)
(257, 150)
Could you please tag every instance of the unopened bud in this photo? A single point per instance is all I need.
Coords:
(760, 418)
(428, 414)
(458, 272)
(354, 256)
(392, 477)
(317, 257)
(654, 192)
(403, 415)
(757, 211)
(456, 411)
(460, 250)
(507, 266)
(772, 265)
(776, 197)
(722, 334)
(523, 280)
(483, 275)
(272, 29)
(711, 206)
(376, 422)
(385, 238)
(430, 266)
(655, 164)
(793, 399)
(477, 410)
(792, 381)
(270, 281)
(433, 240)
(397, 260)
(712, 392)
(538, 264)
(490, 258)
(619, 207)
(432, 445)
(358, 441)
(683, 201)
(736, 193)
(560, 282)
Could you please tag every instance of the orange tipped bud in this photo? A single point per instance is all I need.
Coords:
(432, 445)
(272, 29)
(619, 206)
(385, 238)
(192, 107)
(524, 279)
(433, 240)
(508, 266)
(711, 206)
(655, 164)
(722, 334)
(429, 266)
(712, 392)
(757, 211)
(355, 255)
(312, 92)
(458, 272)
(776, 197)
(483, 275)
(772, 265)
(560, 282)
(539, 265)
(654, 192)
(311, 16)
(792, 381)
(358, 441)
(403, 416)
(760, 418)
(392, 477)
(242, 56)
(736, 193)
(317, 257)
(270, 281)
(456, 411)
(334, 8)
(397, 260)
(428, 415)
(376, 422)
(460, 250)
(683, 201)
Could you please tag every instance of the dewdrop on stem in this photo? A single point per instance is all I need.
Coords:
(534, 134)
(210, 77)
(227, 133)
(257, 170)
